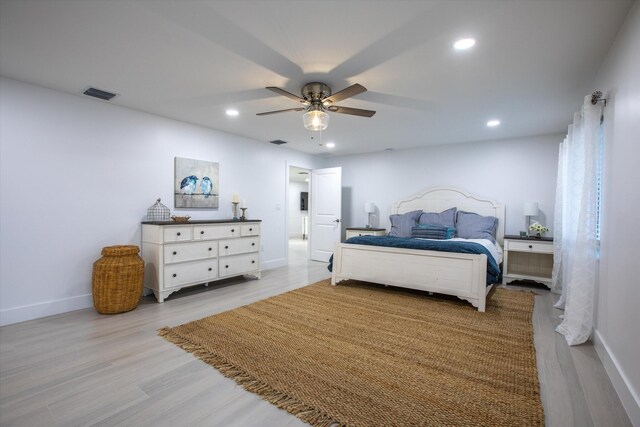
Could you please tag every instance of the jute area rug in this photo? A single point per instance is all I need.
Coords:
(359, 354)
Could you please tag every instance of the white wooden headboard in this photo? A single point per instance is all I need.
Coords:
(442, 198)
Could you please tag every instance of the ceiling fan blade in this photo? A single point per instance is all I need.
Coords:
(352, 90)
(352, 111)
(287, 94)
(281, 111)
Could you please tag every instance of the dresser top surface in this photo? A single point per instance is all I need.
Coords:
(365, 229)
(534, 239)
(201, 221)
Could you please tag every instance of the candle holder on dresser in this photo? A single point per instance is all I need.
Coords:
(243, 217)
(235, 210)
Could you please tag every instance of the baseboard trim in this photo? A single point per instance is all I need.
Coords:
(628, 396)
(13, 315)
(274, 263)
(23, 313)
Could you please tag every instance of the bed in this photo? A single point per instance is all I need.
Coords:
(460, 274)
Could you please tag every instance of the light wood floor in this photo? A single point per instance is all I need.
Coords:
(82, 368)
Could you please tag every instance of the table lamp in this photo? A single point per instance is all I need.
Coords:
(529, 209)
(369, 208)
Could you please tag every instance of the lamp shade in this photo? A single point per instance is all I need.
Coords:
(315, 119)
(530, 209)
(369, 207)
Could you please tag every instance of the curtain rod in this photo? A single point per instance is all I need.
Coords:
(597, 97)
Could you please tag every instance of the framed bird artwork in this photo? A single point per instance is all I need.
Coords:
(196, 184)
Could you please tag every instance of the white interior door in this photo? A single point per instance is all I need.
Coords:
(325, 212)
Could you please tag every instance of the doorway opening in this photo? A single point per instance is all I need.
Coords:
(298, 214)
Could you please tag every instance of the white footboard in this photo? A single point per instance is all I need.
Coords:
(462, 275)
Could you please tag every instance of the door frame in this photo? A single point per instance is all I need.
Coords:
(288, 167)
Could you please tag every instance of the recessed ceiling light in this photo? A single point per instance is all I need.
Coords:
(306, 180)
(232, 113)
(493, 123)
(464, 44)
(331, 144)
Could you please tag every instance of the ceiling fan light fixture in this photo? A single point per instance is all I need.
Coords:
(315, 119)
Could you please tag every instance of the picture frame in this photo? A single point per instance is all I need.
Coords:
(196, 184)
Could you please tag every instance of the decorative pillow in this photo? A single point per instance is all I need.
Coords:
(470, 225)
(445, 218)
(425, 231)
(401, 224)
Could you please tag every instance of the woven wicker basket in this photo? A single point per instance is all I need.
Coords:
(117, 279)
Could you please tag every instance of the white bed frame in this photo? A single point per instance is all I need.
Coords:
(462, 275)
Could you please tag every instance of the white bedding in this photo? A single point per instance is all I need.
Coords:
(494, 248)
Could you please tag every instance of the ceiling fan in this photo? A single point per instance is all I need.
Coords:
(317, 100)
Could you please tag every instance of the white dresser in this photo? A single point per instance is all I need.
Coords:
(527, 259)
(198, 252)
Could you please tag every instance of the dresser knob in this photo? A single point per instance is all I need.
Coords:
(226, 266)
(251, 229)
(202, 232)
(226, 247)
(253, 262)
(253, 244)
(209, 268)
(530, 246)
(178, 233)
(209, 248)
(174, 274)
(233, 230)
(175, 253)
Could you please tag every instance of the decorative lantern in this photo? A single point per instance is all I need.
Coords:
(158, 212)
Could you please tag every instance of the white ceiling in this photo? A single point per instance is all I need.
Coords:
(191, 60)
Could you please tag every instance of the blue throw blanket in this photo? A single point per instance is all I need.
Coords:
(493, 270)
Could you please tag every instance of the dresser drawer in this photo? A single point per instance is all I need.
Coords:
(239, 264)
(356, 232)
(179, 252)
(530, 246)
(208, 232)
(239, 246)
(353, 233)
(250, 230)
(190, 272)
(177, 233)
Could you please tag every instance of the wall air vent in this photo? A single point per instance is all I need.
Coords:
(100, 94)
(278, 142)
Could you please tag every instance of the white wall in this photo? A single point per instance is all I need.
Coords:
(78, 174)
(508, 171)
(617, 332)
(295, 214)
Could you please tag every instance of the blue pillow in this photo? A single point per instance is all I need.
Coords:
(445, 218)
(470, 225)
(425, 231)
(401, 224)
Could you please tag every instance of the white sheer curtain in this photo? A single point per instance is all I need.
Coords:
(575, 224)
(556, 276)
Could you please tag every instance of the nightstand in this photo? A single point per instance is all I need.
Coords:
(363, 231)
(528, 258)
